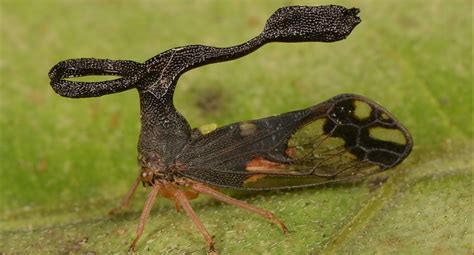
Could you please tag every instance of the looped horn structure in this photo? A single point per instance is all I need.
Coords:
(288, 24)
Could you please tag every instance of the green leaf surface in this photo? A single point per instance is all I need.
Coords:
(65, 163)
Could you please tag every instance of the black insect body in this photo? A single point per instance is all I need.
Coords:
(343, 138)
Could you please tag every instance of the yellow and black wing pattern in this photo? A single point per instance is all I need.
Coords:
(343, 138)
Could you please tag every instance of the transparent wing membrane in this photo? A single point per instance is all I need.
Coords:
(346, 137)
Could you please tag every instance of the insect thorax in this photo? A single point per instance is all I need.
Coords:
(152, 169)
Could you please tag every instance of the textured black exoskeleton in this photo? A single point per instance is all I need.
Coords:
(345, 137)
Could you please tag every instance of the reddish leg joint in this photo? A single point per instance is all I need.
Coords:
(242, 204)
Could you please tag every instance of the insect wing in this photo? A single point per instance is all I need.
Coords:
(346, 137)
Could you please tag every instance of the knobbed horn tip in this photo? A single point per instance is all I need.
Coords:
(327, 23)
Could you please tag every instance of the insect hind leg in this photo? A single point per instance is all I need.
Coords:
(242, 204)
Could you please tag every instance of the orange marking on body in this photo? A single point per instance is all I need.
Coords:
(261, 164)
(168, 190)
(254, 177)
(291, 152)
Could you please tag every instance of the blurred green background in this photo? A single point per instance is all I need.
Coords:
(64, 163)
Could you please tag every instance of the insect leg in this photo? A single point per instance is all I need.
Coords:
(126, 199)
(242, 204)
(145, 213)
(183, 200)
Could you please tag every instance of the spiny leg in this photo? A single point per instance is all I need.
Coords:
(145, 213)
(183, 200)
(126, 199)
(224, 198)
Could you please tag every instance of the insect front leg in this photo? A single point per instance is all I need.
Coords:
(183, 200)
(144, 216)
(242, 204)
(127, 198)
